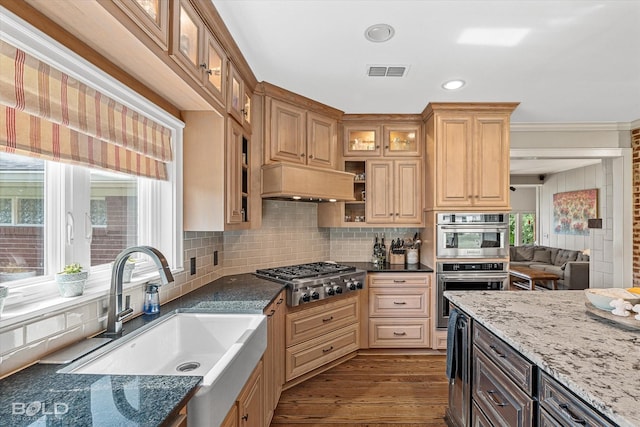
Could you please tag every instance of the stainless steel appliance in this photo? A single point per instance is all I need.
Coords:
(459, 412)
(472, 235)
(307, 283)
(467, 276)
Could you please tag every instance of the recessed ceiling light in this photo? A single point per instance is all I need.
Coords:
(493, 36)
(453, 84)
(379, 33)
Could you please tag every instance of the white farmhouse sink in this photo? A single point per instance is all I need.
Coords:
(222, 348)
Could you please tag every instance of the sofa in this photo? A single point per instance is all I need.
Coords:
(572, 267)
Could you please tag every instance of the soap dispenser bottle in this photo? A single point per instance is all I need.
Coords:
(151, 299)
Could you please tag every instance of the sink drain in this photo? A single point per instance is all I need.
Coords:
(188, 366)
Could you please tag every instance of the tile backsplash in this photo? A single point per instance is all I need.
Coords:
(289, 235)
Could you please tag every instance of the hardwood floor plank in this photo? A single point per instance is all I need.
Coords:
(370, 391)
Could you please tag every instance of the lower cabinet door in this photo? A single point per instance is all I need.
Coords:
(546, 420)
(501, 400)
(391, 333)
(477, 418)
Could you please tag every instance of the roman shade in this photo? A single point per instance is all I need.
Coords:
(48, 114)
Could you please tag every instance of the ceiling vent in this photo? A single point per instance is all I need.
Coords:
(387, 70)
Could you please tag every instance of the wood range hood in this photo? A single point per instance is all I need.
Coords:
(306, 183)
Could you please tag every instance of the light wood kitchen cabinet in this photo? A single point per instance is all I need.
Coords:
(151, 16)
(251, 401)
(402, 141)
(217, 191)
(231, 420)
(399, 310)
(321, 334)
(238, 174)
(239, 98)
(468, 155)
(187, 38)
(301, 136)
(197, 51)
(273, 359)
(394, 192)
(361, 140)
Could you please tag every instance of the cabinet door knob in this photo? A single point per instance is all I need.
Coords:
(302, 155)
(311, 156)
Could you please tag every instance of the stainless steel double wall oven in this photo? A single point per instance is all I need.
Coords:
(470, 249)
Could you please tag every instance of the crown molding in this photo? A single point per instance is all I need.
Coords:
(635, 124)
(573, 127)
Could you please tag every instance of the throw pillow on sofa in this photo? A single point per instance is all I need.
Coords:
(565, 255)
(542, 255)
(524, 253)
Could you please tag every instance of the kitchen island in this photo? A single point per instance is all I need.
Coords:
(596, 359)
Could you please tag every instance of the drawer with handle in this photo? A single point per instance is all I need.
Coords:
(399, 302)
(398, 280)
(393, 333)
(307, 356)
(502, 402)
(565, 407)
(311, 322)
(519, 369)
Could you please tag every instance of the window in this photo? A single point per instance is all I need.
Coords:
(53, 214)
(522, 228)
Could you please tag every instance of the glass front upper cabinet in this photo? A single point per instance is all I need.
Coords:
(361, 141)
(152, 16)
(402, 141)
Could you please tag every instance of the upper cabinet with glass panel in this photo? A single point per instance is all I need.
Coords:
(197, 51)
(152, 16)
(402, 140)
(361, 141)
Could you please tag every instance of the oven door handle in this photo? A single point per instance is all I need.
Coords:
(472, 229)
(471, 276)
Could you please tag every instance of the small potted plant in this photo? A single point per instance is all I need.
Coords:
(71, 280)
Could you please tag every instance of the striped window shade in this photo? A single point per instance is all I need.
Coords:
(46, 113)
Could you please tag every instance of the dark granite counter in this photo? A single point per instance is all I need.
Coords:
(39, 394)
(390, 268)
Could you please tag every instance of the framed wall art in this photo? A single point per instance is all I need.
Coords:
(572, 211)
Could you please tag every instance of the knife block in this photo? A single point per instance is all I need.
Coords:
(396, 258)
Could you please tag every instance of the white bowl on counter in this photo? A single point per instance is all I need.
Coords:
(601, 298)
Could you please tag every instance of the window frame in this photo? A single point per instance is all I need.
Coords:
(159, 202)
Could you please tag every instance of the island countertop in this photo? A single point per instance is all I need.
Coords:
(596, 359)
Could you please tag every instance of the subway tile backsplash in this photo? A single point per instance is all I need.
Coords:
(289, 235)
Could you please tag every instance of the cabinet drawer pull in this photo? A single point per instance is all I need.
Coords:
(496, 351)
(245, 417)
(495, 399)
(327, 350)
(280, 301)
(327, 319)
(565, 408)
(399, 302)
(399, 281)
(399, 334)
(271, 313)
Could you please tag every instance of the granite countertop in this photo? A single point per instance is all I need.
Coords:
(390, 268)
(40, 394)
(597, 359)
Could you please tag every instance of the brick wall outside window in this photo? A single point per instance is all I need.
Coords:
(635, 144)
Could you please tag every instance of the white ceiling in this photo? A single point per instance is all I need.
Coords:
(578, 62)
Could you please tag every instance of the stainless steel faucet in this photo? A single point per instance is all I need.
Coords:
(116, 313)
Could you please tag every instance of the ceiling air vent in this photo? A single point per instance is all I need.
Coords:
(387, 70)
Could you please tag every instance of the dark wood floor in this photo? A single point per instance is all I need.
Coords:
(372, 391)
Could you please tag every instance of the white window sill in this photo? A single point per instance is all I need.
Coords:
(16, 312)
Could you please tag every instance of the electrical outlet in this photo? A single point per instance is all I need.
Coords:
(193, 266)
(215, 257)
